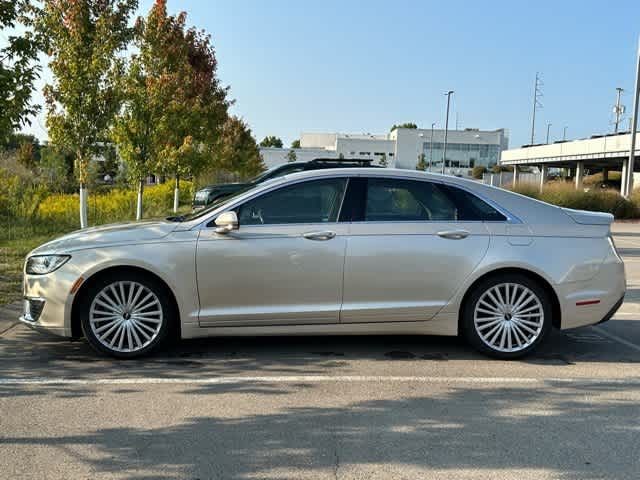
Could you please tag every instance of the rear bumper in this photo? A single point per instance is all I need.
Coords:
(613, 311)
(593, 301)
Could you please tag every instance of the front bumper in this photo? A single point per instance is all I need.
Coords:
(54, 290)
(53, 330)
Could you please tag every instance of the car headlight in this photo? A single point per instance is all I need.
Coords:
(43, 264)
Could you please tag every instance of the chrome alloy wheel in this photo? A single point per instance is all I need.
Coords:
(125, 316)
(508, 317)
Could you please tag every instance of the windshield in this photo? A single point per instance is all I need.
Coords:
(201, 197)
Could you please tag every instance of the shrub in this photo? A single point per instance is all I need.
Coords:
(596, 180)
(112, 205)
(596, 200)
(527, 189)
(478, 171)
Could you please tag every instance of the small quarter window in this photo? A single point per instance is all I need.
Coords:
(471, 208)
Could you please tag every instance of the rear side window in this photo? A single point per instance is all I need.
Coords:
(470, 207)
(400, 200)
(397, 200)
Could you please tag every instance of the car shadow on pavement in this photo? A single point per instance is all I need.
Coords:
(28, 354)
(564, 430)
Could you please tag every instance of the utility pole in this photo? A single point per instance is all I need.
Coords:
(548, 128)
(431, 146)
(446, 130)
(564, 133)
(627, 187)
(537, 93)
(618, 110)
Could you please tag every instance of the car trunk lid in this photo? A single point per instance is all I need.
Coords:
(585, 217)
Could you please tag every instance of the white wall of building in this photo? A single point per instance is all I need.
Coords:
(402, 147)
(277, 156)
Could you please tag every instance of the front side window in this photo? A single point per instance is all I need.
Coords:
(316, 201)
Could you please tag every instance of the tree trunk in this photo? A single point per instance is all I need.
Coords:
(83, 206)
(176, 195)
(139, 202)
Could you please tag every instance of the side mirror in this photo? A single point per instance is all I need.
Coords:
(226, 222)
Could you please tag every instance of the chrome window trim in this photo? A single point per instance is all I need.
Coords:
(282, 182)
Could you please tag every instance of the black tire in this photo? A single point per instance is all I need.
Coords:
(468, 325)
(152, 285)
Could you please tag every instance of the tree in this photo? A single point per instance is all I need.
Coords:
(422, 162)
(291, 156)
(295, 144)
(271, 141)
(383, 161)
(18, 70)
(194, 105)
(237, 151)
(83, 38)
(134, 127)
(56, 166)
(404, 125)
(26, 155)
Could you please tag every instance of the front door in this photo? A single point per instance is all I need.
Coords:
(409, 251)
(284, 264)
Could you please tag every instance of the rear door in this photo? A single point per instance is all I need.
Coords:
(409, 248)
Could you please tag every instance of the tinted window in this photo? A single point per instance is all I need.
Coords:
(280, 171)
(470, 207)
(398, 200)
(315, 201)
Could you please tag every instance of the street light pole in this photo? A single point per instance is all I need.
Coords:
(446, 130)
(627, 180)
(564, 133)
(431, 146)
(548, 127)
(618, 109)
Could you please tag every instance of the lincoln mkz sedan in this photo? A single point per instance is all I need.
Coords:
(341, 251)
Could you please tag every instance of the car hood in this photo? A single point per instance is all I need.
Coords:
(117, 233)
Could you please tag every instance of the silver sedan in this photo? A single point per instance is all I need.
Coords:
(348, 251)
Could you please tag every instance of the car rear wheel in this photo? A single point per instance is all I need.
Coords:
(507, 316)
(127, 316)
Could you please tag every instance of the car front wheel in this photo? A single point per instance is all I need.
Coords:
(507, 316)
(127, 316)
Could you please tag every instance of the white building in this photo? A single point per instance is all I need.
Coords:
(401, 148)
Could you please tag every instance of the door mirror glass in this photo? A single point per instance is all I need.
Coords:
(226, 222)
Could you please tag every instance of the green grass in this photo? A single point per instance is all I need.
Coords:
(18, 238)
(12, 255)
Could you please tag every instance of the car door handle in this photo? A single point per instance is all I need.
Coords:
(453, 234)
(325, 235)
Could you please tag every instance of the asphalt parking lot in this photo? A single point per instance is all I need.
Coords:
(328, 407)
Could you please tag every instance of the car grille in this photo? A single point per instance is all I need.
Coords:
(33, 308)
